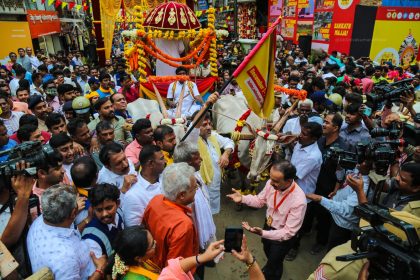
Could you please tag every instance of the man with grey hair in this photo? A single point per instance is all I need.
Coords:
(53, 243)
(168, 217)
(305, 114)
(188, 152)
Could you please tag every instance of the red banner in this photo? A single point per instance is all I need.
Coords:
(342, 25)
(42, 23)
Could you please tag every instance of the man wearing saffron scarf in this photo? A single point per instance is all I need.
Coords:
(209, 145)
(104, 88)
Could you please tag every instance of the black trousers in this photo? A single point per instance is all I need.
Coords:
(275, 252)
(337, 236)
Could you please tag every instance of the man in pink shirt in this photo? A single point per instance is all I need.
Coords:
(286, 206)
(143, 135)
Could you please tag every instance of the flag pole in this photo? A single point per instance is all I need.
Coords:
(200, 116)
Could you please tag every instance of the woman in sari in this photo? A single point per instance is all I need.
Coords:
(134, 247)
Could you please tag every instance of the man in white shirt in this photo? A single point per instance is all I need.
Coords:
(53, 243)
(117, 169)
(294, 124)
(137, 198)
(10, 118)
(14, 83)
(190, 92)
(34, 60)
(307, 159)
(300, 58)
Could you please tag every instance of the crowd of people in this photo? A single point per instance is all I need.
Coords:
(119, 197)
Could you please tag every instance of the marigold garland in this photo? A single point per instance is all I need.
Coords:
(167, 79)
(199, 59)
(299, 94)
(181, 59)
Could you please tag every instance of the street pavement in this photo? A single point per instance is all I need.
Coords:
(230, 268)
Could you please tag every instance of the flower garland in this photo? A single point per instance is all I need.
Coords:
(139, 19)
(185, 58)
(119, 267)
(236, 134)
(266, 135)
(173, 121)
(220, 33)
(199, 59)
(299, 94)
(211, 17)
(167, 79)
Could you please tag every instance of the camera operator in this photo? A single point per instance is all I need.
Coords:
(13, 223)
(408, 184)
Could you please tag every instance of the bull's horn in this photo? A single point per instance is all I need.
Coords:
(280, 123)
(160, 101)
(178, 110)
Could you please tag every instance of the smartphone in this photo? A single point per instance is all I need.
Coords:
(367, 111)
(233, 239)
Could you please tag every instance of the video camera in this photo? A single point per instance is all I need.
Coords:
(390, 257)
(32, 152)
(390, 92)
(382, 153)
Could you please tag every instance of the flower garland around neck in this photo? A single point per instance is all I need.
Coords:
(299, 94)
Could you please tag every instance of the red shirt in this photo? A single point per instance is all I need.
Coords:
(44, 134)
(173, 229)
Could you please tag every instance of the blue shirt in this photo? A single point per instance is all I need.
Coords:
(341, 206)
(8, 146)
(103, 94)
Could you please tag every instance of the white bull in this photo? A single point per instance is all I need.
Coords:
(234, 107)
(265, 144)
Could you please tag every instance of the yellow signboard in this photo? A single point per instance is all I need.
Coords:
(14, 35)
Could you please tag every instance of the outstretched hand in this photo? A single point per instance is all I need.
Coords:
(256, 230)
(245, 255)
(236, 196)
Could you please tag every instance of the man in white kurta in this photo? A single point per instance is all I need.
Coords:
(210, 144)
(190, 93)
(173, 48)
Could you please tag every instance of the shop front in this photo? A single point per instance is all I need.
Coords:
(45, 30)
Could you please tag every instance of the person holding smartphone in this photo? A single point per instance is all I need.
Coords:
(286, 206)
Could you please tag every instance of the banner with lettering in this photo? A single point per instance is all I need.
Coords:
(255, 75)
(289, 21)
(402, 48)
(342, 25)
(42, 23)
(322, 24)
